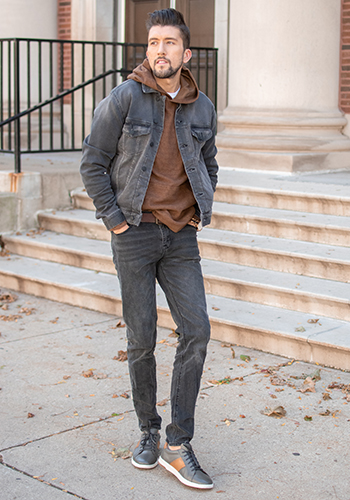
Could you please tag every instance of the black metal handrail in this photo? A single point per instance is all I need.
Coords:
(49, 88)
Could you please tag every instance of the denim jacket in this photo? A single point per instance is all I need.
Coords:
(119, 153)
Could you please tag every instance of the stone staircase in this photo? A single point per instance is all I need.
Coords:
(276, 261)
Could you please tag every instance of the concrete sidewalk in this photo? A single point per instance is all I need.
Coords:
(66, 415)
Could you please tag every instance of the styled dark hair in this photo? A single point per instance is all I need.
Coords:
(169, 17)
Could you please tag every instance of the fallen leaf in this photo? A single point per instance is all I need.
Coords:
(242, 416)
(11, 317)
(273, 396)
(313, 320)
(308, 386)
(88, 374)
(277, 380)
(308, 418)
(66, 377)
(326, 396)
(115, 396)
(163, 402)
(245, 358)
(125, 395)
(54, 321)
(173, 334)
(100, 376)
(316, 375)
(30, 415)
(277, 412)
(122, 356)
(325, 413)
(27, 311)
(123, 453)
(8, 297)
(88, 337)
(233, 353)
(216, 308)
(300, 329)
(225, 344)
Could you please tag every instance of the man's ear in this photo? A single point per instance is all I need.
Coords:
(187, 56)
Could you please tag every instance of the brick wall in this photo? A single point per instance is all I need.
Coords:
(344, 94)
(64, 9)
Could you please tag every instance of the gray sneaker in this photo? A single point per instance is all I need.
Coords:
(146, 453)
(184, 465)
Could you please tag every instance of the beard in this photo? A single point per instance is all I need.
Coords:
(166, 73)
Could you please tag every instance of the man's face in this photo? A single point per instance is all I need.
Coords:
(165, 52)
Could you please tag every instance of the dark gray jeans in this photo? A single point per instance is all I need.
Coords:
(141, 255)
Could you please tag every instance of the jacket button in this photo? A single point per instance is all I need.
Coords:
(155, 122)
(143, 169)
(151, 144)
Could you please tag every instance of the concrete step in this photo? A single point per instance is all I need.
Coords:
(62, 248)
(289, 224)
(288, 333)
(322, 193)
(288, 291)
(277, 254)
(77, 222)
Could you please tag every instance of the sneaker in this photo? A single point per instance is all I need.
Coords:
(184, 465)
(145, 455)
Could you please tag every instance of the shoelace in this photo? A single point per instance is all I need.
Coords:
(149, 441)
(192, 459)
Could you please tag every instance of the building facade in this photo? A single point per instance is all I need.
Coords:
(283, 68)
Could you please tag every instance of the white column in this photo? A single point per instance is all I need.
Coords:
(283, 87)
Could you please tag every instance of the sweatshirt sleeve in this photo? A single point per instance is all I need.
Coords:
(99, 149)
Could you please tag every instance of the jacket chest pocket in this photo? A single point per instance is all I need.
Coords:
(134, 138)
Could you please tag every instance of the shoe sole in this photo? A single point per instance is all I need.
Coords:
(184, 481)
(143, 466)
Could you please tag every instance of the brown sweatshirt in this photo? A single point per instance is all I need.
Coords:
(169, 195)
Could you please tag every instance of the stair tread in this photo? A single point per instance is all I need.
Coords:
(218, 269)
(260, 317)
(287, 216)
(276, 280)
(326, 185)
(276, 245)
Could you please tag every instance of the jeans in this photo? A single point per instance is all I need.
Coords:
(142, 255)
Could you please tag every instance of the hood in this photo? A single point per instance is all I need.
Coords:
(188, 93)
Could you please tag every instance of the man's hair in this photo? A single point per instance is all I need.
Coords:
(169, 17)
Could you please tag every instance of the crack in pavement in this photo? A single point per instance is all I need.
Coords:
(58, 331)
(40, 480)
(102, 419)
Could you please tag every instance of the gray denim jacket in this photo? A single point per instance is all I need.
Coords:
(119, 153)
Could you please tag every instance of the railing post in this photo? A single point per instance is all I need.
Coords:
(17, 124)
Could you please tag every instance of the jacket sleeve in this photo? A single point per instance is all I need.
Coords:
(99, 149)
(209, 152)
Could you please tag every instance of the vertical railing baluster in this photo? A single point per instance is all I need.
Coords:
(62, 100)
(17, 107)
(40, 96)
(83, 92)
(9, 93)
(93, 74)
(51, 92)
(104, 70)
(72, 96)
(1, 93)
(29, 145)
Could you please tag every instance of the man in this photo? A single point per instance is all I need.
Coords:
(149, 166)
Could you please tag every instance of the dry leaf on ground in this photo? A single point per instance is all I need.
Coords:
(277, 412)
(123, 453)
(163, 402)
(88, 374)
(277, 380)
(308, 386)
(122, 356)
(8, 297)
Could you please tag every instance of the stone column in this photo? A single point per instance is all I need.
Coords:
(283, 87)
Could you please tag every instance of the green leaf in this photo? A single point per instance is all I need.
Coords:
(245, 358)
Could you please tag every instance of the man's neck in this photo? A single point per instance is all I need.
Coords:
(170, 85)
